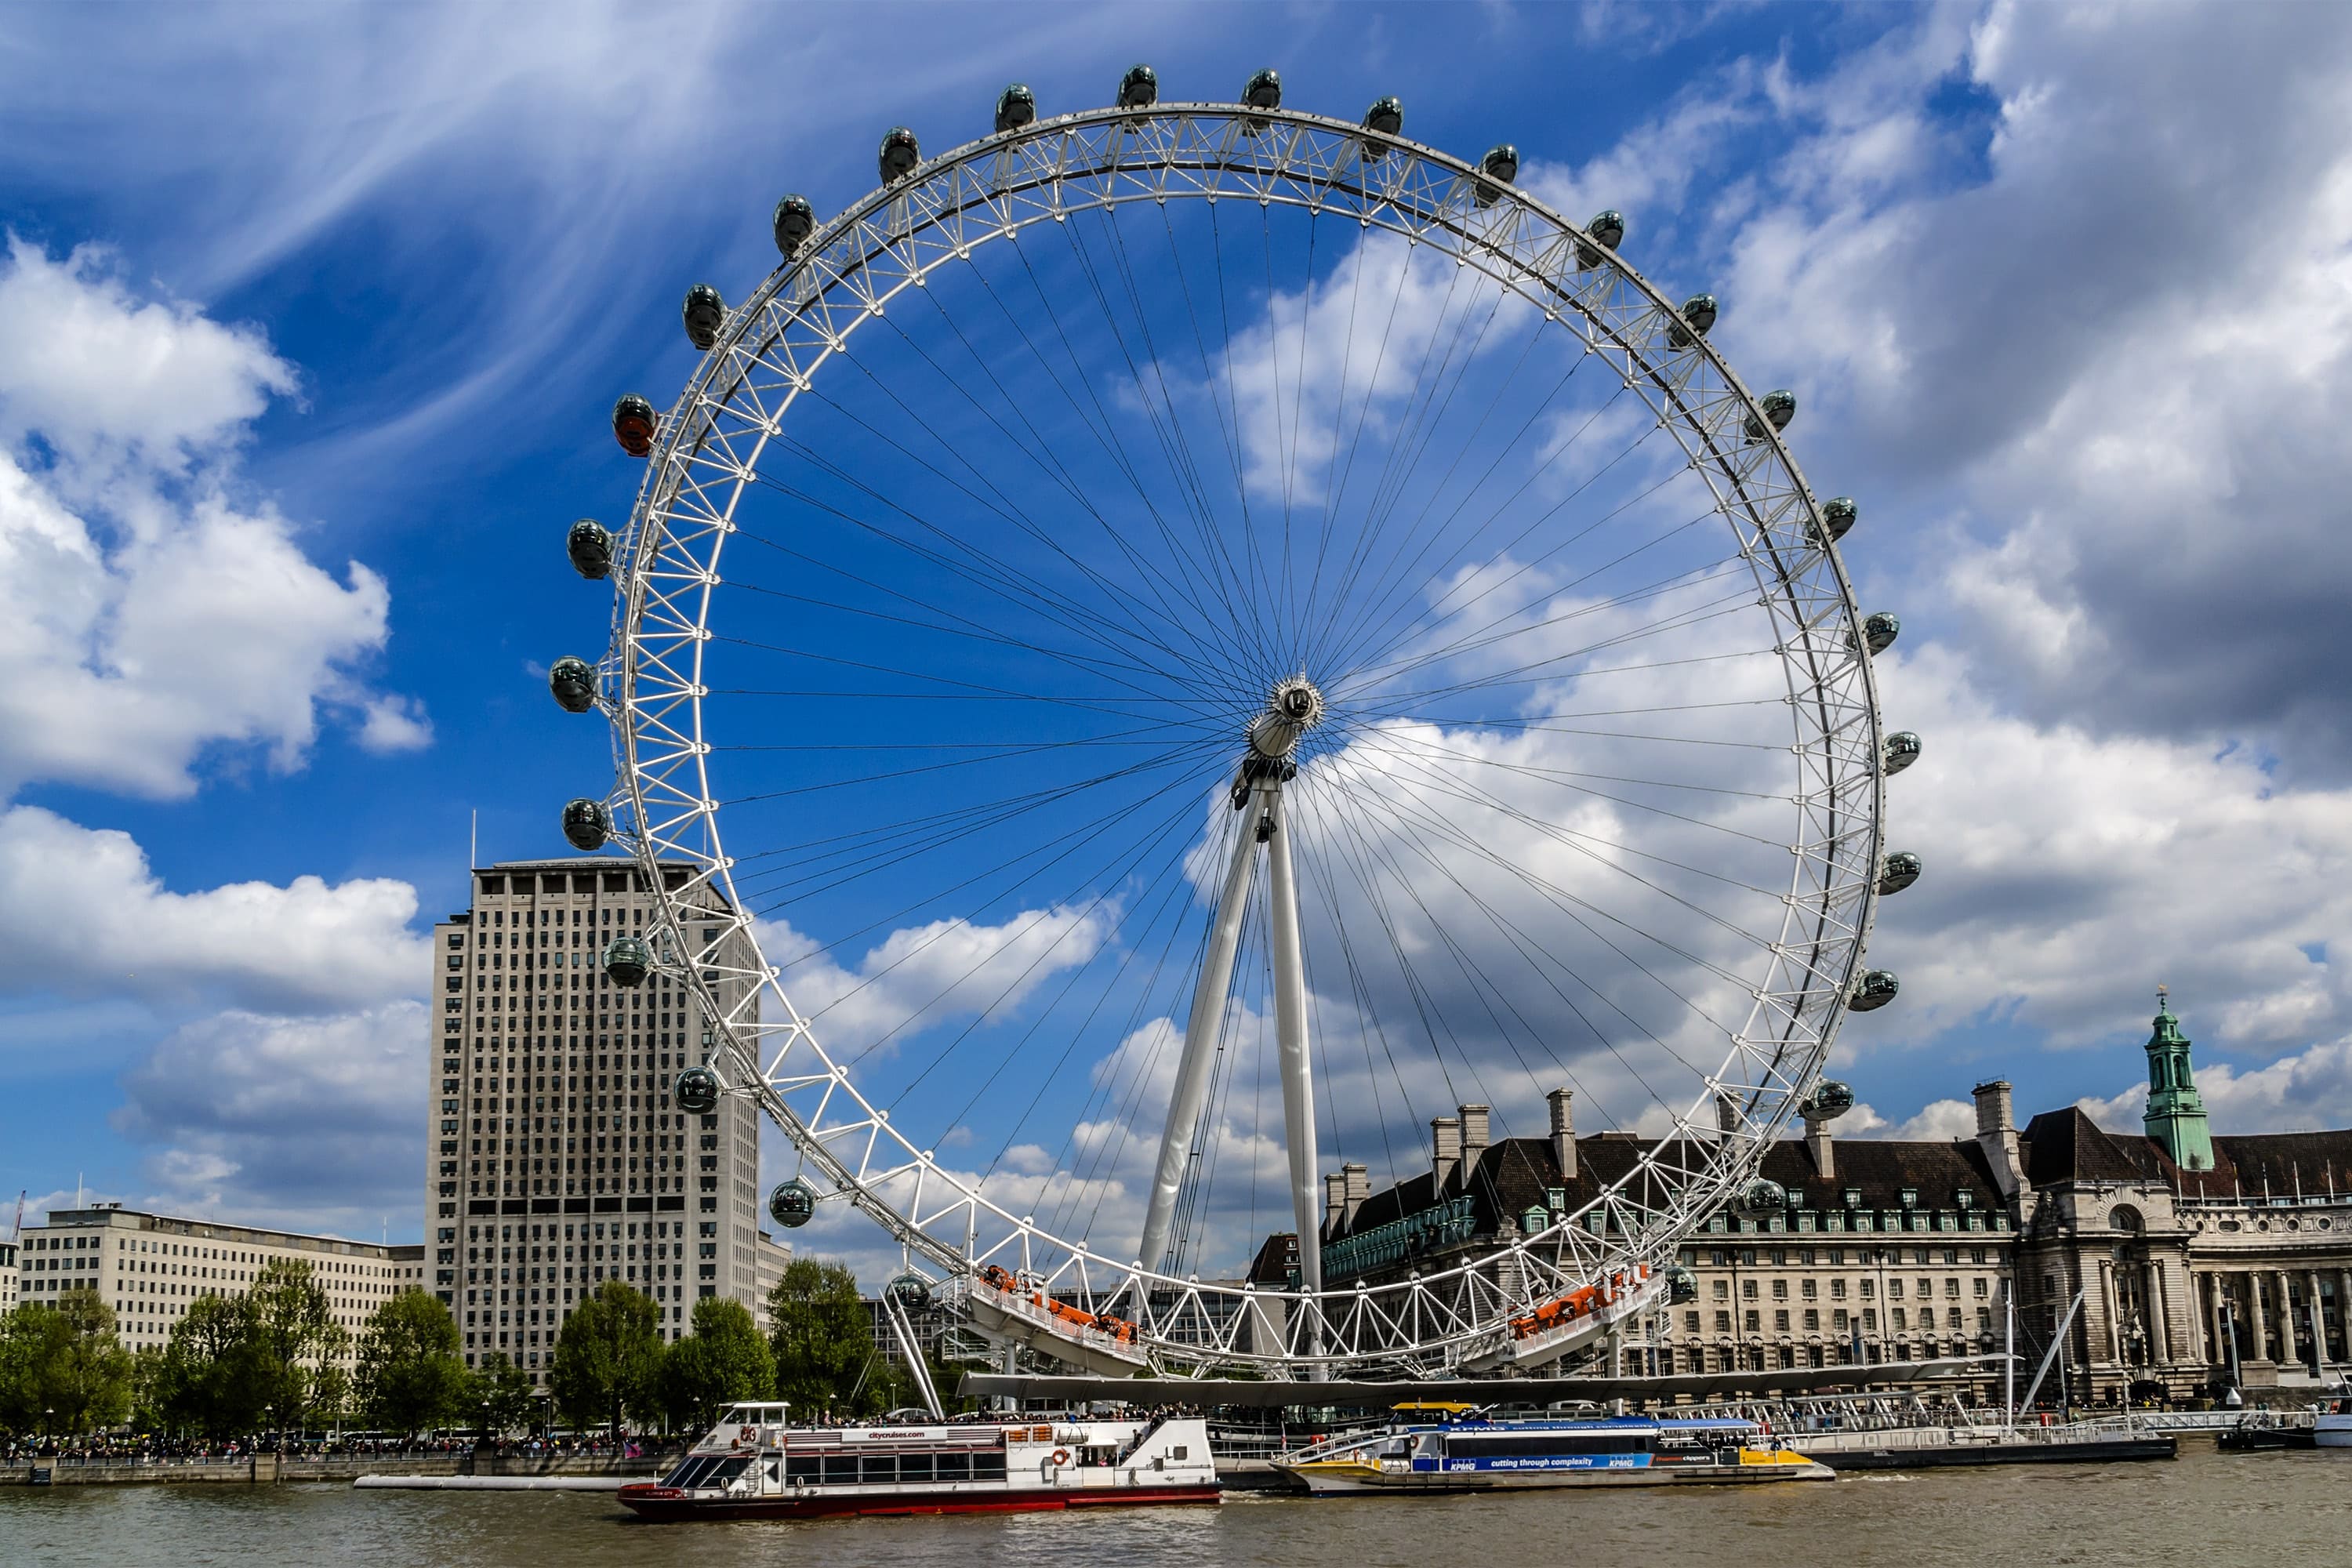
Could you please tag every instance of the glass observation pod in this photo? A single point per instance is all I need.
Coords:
(1461, 1452)
(755, 1465)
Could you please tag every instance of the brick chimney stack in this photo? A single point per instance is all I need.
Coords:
(1355, 1186)
(1334, 1201)
(1444, 1150)
(1563, 1132)
(1997, 1136)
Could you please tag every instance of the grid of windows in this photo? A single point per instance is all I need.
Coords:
(557, 1157)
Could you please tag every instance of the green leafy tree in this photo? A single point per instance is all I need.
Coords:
(724, 1360)
(215, 1376)
(821, 1336)
(22, 1336)
(297, 1331)
(411, 1377)
(608, 1361)
(73, 1364)
(500, 1394)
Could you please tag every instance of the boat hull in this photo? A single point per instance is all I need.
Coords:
(2091, 1451)
(668, 1505)
(1362, 1481)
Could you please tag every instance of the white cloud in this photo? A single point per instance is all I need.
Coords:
(310, 1122)
(146, 615)
(83, 912)
(2067, 874)
(919, 977)
(2300, 1092)
(1938, 1121)
(395, 724)
(108, 378)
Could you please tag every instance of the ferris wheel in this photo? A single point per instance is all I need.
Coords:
(1221, 640)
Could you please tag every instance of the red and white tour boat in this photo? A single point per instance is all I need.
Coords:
(755, 1466)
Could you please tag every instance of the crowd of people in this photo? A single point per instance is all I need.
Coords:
(116, 1448)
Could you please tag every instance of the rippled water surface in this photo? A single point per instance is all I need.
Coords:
(2206, 1508)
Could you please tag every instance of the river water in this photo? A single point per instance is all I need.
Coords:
(2208, 1509)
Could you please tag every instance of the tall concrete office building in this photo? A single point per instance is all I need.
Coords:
(556, 1158)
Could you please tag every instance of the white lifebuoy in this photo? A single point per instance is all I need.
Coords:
(1061, 1458)
(748, 1433)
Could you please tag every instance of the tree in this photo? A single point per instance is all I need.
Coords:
(215, 1376)
(296, 1328)
(607, 1359)
(410, 1375)
(68, 1361)
(22, 1335)
(723, 1361)
(500, 1394)
(822, 1334)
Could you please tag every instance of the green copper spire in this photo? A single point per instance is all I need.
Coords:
(2176, 1111)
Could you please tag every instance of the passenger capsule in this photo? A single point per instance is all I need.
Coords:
(1140, 87)
(1760, 1198)
(1900, 870)
(796, 221)
(1838, 515)
(1264, 90)
(696, 1092)
(1385, 117)
(590, 549)
(586, 823)
(1608, 230)
(793, 1204)
(1879, 632)
(704, 312)
(1901, 750)
(627, 961)
(900, 155)
(1830, 1099)
(1779, 408)
(1874, 989)
(1501, 166)
(632, 425)
(574, 682)
(910, 1291)
(1682, 1285)
(1697, 316)
(1016, 106)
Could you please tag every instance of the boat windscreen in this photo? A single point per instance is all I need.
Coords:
(708, 1470)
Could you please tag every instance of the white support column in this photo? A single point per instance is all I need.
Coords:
(1290, 1034)
(1191, 1091)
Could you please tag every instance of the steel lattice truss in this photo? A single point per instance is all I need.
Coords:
(772, 351)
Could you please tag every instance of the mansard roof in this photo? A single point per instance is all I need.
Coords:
(1515, 1174)
(2063, 1146)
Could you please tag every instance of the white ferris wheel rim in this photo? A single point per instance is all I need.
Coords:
(708, 452)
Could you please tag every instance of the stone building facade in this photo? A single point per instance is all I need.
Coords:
(556, 1157)
(2200, 1259)
(150, 1267)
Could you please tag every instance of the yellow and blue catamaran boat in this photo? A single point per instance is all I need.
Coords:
(1452, 1448)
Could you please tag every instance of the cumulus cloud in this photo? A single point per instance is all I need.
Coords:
(315, 1122)
(84, 914)
(1938, 1121)
(919, 977)
(2298, 1093)
(2066, 874)
(146, 614)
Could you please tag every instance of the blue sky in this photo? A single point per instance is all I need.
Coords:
(309, 332)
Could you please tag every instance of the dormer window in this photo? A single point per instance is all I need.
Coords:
(1853, 1197)
(1910, 1197)
(1964, 1199)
